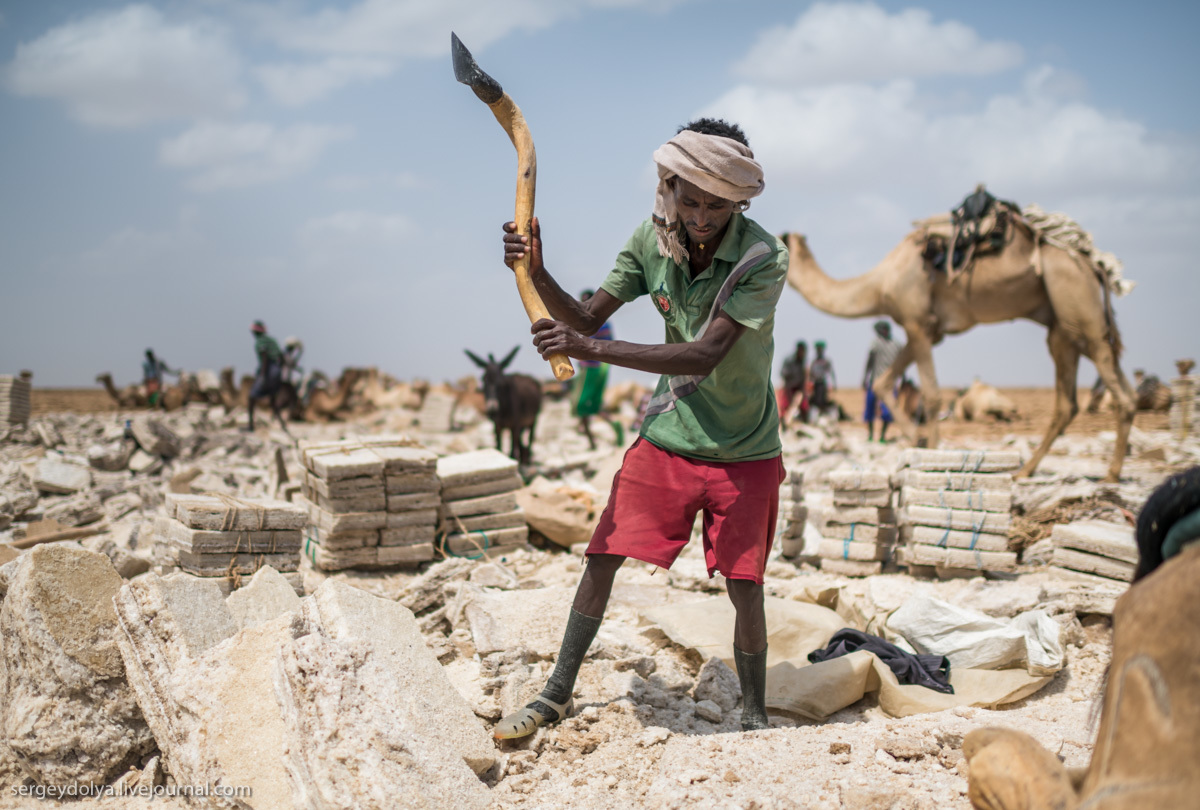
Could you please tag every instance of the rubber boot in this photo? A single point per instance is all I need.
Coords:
(752, 672)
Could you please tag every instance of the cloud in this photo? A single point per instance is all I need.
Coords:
(238, 155)
(357, 227)
(130, 67)
(294, 85)
(418, 28)
(860, 137)
(853, 42)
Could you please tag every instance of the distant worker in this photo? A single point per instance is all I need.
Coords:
(293, 350)
(880, 357)
(153, 369)
(269, 377)
(587, 395)
(823, 379)
(795, 379)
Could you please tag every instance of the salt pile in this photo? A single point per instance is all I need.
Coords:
(14, 399)
(956, 509)
(479, 503)
(371, 502)
(793, 514)
(859, 530)
(1095, 547)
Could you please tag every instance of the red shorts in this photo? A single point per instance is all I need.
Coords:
(655, 498)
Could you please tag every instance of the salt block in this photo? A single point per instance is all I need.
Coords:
(961, 460)
(981, 500)
(413, 517)
(486, 505)
(406, 459)
(407, 535)
(851, 568)
(345, 488)
(961, 519)
(859, 479)
(475, 467)
(267, 596)
(60, 477)
(410, 553)
(199, 541)
(860, 532)
(67, 713)
(920, 554)
(1093, 564)
(342, 460)
(348, 614)
(474, 542)
(235, 514)
(154, 437)
(495, 486)
(413, 501)
(1100, 537)
(850, 550)
(373, 502)
(406, 482)
(863, 497)
(498, 520)
(856, 514)
(340, 559)
(343, 540)
(964, 481)
(335, 522)
(793, 510)
(933, 536)
(207, 565)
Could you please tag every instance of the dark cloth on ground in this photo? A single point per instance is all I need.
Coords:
(930, 671)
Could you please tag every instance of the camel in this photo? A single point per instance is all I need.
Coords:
(982, 400)
(1029, 277)
(239, 397)
(323, 404)
(131, 396)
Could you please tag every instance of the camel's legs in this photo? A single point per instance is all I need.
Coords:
(1066, 368)
(1123, 397)
(885, 391)
(919, 350)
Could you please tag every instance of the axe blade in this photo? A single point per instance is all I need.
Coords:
(467, 71)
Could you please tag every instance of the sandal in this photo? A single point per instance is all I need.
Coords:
(524, 722)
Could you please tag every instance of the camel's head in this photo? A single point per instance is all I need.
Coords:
(104, 378)
(789, 238)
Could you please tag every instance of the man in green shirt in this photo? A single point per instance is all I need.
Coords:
(269, 376)
(710, 439)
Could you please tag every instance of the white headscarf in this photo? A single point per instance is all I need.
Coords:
(718, 165)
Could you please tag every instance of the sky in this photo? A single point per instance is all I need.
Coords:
(170, 172)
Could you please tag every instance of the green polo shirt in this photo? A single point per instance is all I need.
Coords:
(266, 344)
(730, 415)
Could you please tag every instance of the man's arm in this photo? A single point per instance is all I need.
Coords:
(698, 357)
(584, 317)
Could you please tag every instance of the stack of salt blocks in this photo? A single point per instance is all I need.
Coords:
(793, 514)
(859, 530)
(1185, 406)
(479, 510)
(228, 538)
(371, 502)
(15, 399)
(1094, 548)
(956, 509)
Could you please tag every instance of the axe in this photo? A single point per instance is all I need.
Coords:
(509, 115)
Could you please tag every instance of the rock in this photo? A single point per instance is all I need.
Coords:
(266, 597)
(718, 683)
(68, 714)
(501, 620)
(80, 510)
(111, 456)
(562, 514)
(907, 747)
(60, 477)
(362, 746)
(350, 615)
(494, 575)
(709, 711)
(155, 438)
(1000, 599)
(142, 462)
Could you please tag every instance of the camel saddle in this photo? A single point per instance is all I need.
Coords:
(978, 227)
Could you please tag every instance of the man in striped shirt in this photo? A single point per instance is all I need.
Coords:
(882, 354)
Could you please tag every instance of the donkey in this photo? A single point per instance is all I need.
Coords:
(512, 402)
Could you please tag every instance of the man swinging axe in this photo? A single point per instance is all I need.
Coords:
(710, 439)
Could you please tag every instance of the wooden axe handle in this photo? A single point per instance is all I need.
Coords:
(510, 117)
